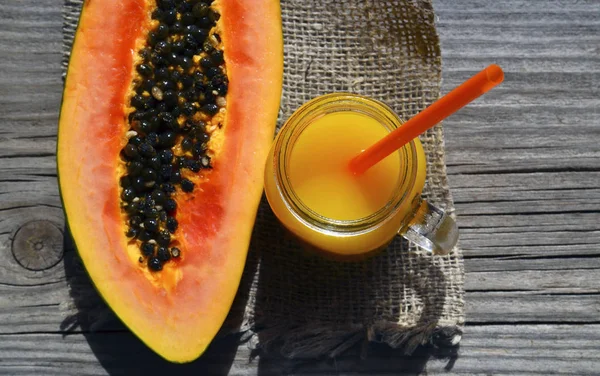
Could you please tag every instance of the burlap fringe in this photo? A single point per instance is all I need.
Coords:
(313, 341)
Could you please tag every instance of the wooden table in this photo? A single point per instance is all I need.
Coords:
(524, 166)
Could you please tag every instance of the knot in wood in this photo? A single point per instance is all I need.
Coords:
(38, 245)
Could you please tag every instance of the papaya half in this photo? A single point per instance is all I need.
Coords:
(169, 110)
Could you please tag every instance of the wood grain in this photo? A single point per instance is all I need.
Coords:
(522, 160)
(524, 169)
(522, 349)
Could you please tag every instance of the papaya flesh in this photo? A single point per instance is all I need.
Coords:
(189, 90)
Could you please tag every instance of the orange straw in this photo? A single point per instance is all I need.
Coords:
(436, 112)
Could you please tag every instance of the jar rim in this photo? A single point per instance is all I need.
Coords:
(304, 116)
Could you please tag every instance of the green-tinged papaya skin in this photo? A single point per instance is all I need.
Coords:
(168, 113)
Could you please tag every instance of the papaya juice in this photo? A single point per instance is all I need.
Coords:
(318, 167)
(315, 196)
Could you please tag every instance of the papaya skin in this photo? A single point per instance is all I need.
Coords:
(178, 311)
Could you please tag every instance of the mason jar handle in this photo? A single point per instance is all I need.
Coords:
(431, 228)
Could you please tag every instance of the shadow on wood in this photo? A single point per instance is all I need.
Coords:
(118, 350)
(308, 308)
(122, 353)
(380, 359)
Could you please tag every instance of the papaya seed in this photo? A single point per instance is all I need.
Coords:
(154, 264)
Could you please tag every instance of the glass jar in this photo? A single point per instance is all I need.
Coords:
(405, 212)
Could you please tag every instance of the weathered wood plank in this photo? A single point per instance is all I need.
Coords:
(486, 265)
(522, 160)
(497, 290)
(505, 349)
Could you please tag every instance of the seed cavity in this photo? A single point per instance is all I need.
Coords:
(180, 85)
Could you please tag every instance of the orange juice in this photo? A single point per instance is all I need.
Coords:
(318, 167)
(316, 197)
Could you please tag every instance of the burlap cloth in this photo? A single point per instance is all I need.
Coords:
(303, 305)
